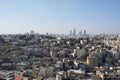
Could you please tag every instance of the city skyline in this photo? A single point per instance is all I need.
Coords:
(59, 16)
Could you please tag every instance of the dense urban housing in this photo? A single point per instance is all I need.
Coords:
(74, 56)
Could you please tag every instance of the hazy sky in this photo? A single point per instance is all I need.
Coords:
(59, 16)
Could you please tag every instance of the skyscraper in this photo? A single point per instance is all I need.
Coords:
(74, 32)
(85, 33)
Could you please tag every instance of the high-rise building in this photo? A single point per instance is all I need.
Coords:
(70, 32)
(85, 33)
(74, 32)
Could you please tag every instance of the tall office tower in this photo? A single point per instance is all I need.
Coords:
(81, 32)
(85, 33)
(70, 32)
(74, 32)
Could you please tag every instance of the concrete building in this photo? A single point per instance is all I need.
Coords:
(18, 74)
(59, 75)
(80, 53)
(92, 61)
(6, 75)
(76, 74)
(46, 71)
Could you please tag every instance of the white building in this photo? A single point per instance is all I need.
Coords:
(59, 75)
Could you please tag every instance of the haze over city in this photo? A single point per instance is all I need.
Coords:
(59, 39)
(59, 16)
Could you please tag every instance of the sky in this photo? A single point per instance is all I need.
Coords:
(59, 16)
